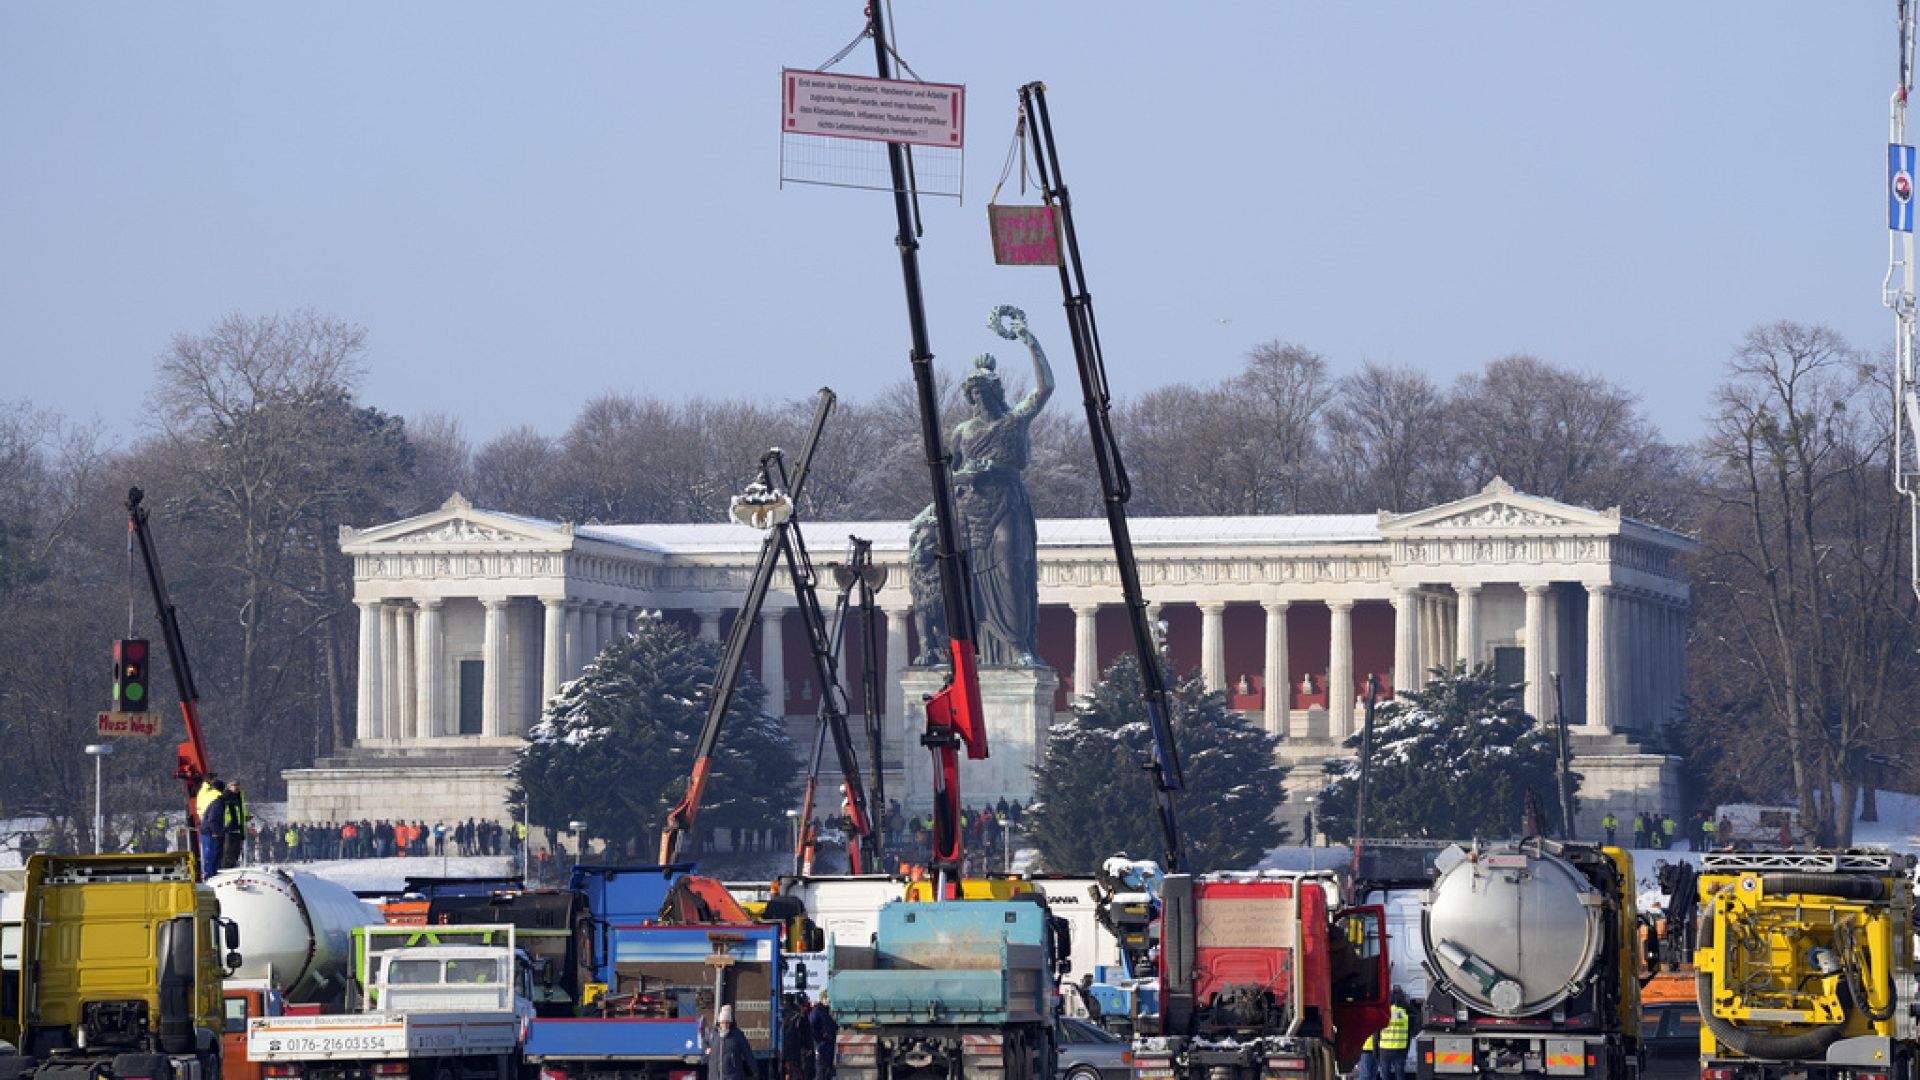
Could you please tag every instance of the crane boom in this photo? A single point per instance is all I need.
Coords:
(720, 697)
(1897, 292)
(863, 845)
(1115, 487)
(191, 763)
(954, 714)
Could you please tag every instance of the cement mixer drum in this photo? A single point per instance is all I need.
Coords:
(1513, 929)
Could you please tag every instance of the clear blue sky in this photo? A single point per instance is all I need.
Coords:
(527, 204)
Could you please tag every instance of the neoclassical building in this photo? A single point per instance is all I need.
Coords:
(470, 619)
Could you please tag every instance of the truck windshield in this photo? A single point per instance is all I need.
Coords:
(413, 972)
(473, 971)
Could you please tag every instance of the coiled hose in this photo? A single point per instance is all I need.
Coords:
(1760, 1044)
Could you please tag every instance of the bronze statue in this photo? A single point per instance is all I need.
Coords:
(990, 451)
(923, 585)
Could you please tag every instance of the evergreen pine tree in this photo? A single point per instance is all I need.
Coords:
(1452, 761)
(1094, 798)
(615, 746)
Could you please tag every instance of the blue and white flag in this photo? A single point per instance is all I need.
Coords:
(1899, 187)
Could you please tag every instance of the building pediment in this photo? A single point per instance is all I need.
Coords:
(1498, 508)
(456, 526)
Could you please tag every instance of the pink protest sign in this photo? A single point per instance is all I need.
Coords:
(1023, 235)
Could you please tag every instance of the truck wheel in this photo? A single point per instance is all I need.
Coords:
(1084, 1072)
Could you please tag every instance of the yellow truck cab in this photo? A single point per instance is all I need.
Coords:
(120, 970)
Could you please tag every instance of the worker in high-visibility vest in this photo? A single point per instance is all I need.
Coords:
(1387, 1049)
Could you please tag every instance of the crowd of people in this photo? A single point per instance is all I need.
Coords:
(1658, 832)
(382, 839)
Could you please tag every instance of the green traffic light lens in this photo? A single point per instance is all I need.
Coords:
(134, 691)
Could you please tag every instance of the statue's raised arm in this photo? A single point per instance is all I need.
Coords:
(1011, 323)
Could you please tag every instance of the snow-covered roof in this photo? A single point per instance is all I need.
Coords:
(825, 536)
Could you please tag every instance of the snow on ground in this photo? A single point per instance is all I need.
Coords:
(387, 877)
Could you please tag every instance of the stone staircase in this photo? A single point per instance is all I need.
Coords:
(417, 757)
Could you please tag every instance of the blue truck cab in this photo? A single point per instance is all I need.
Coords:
(953, 988)
(649, 1014)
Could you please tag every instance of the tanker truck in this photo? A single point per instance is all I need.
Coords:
(296, 931)
(1532, 948)
(1805, 965)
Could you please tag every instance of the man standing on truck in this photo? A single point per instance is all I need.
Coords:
(236, 827)
(730, 1055)
(825, 1034)
(213, 827)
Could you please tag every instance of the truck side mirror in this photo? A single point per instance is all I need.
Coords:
(232, 935)
(233, 963)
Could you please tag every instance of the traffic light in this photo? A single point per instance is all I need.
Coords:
(130, 675)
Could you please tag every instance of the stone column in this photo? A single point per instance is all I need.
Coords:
(1406, 641)
(1423, 626)
(1467, 625)
(1086, 648)
(368, 720)
(896, 734)
(553, 648)
(406, 665)
(1153, 624)
(773, 659)
(1276, 681)
(1213, 646)
(1539, 692)
(428, 677)
(573, 651)
(1340, 691)
(1599, 659)
(494, 658)
(392, 723)
(603, 620)
(710, 623)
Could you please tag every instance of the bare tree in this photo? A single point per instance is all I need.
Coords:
(511, 473)
(1389, 432)
(1563, 435)
(1284, 391)
(1804, 612)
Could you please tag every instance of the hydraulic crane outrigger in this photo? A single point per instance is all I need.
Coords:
(191, 763)
(778, 492)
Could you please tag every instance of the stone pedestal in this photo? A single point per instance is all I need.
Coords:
(1618, 775)
(430, 782)
(1019, 709)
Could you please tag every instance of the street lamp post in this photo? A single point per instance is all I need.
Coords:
(1006, 840)
(1313, 857)
(98, 752)
(578, 829)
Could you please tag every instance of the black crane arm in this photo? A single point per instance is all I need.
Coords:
(862, 846)
(1115, 488)
(955, 719)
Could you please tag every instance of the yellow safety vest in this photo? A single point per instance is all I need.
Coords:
(1395, 1035)
(204, 799)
